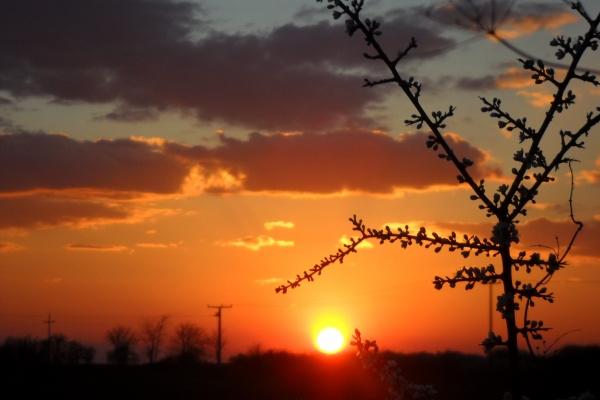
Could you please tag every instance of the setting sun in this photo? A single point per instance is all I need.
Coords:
(330, 341)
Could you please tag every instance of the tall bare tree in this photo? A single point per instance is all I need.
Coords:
(152, 337)
(123, 340)
(534, 167)
(190, 343)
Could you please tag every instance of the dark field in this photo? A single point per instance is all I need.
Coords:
(272, 375)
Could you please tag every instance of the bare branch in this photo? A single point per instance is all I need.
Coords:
(370, 83)
(557, 106)
(411, 45)
(467, 246)
(578, 223)
(370, 31)
(469, 275)
(507, 202)
(569, 140)
(534, 291)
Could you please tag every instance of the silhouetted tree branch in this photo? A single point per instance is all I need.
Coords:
(508, 201)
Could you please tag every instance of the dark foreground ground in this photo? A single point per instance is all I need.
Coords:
(570, 371)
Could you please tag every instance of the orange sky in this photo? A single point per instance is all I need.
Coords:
(124, 196)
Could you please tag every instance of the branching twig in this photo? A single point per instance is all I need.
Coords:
(556, 107)
(369, 28)
(560, 260)
(466, 246)
(508, 202)
(573, 142)
(578, 223)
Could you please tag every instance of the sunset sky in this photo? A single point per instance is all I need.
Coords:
(157, 156)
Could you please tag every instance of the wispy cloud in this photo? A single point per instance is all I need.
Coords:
(96, 248)
(591, 175)
(521, 25)
(158, 245)
(270, 225)
(10, 247)
(514, 78)
(268, 281)
(256, 243)
(537, 99)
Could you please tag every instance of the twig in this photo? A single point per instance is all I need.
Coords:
(572, 215)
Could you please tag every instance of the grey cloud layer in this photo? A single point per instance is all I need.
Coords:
(352, 160)
(315, 163)
(140, 53)
(55, 162)
(50, 180)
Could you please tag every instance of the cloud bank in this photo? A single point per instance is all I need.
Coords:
(49, 180)
(148, 56)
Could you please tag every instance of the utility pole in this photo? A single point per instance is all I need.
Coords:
(219, 336)
(49, 322)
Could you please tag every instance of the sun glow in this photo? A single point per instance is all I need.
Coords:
(330, 341)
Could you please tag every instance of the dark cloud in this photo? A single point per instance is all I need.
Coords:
(52, 180)
(130, 114)
(481, 83)
(40, 211)
(140, 53)
(96, 248)
(353, 160)
(325, 43)
(309, 13)
(54, 162)
(316, 163)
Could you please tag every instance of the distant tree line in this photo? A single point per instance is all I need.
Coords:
(187, 343)
(58, 349)
(154, 341)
